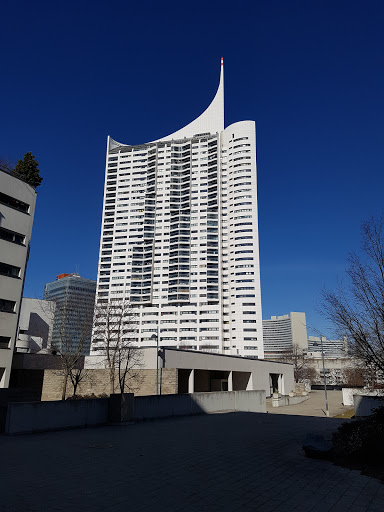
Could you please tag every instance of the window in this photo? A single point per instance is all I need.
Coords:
(14, 203)
(9, 270)
(4, 341)
(12, 236)
(7, 306)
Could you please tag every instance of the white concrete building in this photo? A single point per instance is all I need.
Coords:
(180, 236)
(331, 348)
(35, 325)
(17, 208)
(282, 332)
(202, 372)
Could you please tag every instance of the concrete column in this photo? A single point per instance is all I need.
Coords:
(230, 381)
(281, 385)
(191, 382)
(250, 383)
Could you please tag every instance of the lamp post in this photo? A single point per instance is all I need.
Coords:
(325, 379)
(156, 336)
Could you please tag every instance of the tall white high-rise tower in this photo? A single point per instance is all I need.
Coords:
(180, 236)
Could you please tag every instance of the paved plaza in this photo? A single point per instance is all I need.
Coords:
(315, 406)
(219, 462)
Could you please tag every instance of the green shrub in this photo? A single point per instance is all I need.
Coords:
(87, 397)
(361, 440)
(82, 397)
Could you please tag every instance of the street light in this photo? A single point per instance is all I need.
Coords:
(325, 378)
(156, 336)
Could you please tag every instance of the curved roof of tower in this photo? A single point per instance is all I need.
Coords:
(210, 121)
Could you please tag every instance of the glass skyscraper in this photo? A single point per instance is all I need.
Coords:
(179, 236)
(73, 318)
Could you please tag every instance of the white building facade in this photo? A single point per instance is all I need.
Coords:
(35, 325)
(331, 348)
(179, 236)
(17, 209)
(282, 332)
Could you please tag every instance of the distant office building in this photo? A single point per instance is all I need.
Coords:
(35, 325)
(332, 348)
(17, 208)
(75, 298)
(180, 236)
(280, 333)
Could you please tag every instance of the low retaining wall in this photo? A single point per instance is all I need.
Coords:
(289, 400)
(150, 407)
(365, 404)
(29, 417)
(348, 394)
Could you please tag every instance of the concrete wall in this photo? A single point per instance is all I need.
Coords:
(15, 395)
(364, 405)
(250, 401)
(288, 400)
(98, 383)
(150, 407)
(42, 416)
(348, 394)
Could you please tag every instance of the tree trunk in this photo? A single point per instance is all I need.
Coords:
(112, 382)
(75, 384)
(65, 380)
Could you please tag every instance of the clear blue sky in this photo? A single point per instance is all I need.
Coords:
(310, 73)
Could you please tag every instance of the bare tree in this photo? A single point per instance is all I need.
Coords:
(115, 336)
(302, 366)
(6, 165)
(357, 309)
(354, 376)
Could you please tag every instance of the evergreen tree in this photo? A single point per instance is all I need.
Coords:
(27, 170)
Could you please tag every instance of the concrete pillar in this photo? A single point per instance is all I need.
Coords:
(230, 381)
(191, 382)
(281, 385)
